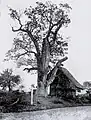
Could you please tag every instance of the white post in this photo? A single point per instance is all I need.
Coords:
(31, 96)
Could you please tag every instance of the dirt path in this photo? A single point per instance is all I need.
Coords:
(74, 113)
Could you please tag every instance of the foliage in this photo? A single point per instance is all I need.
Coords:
(42, 22)
(8, 80)
(21, 88)
(87, 84)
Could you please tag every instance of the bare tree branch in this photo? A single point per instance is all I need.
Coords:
(20, 29)
(31, 36)
(56, 31)
(19, 55)
(58, 24)
(35, 42)
(29, 69)
(22, 54)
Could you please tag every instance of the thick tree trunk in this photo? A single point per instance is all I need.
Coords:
(43, 64)
(41, 92)
(41, 85)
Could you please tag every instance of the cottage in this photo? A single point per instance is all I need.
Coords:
(64, 84)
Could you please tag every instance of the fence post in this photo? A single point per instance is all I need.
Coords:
(31, 95)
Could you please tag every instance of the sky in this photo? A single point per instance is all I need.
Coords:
(79, 62)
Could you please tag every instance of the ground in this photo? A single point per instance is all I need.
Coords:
(71, 113)
(16, 102)
(45, 103)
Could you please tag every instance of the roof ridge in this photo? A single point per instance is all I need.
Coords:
(70, 76)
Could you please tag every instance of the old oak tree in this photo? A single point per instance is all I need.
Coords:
(39, 41)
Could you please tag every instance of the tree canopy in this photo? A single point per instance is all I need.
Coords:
(43, 22)
(87, 84)
(8, 80)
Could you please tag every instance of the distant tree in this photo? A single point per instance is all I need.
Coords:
(39, 41)
(21, 88)
(8, 80)
(87, 84)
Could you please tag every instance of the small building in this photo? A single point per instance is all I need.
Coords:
(89, 91)
(64, 84)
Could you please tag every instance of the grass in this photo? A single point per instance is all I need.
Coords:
(24, 104)
(49, 103)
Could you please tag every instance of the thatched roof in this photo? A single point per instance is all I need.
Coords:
(71, 78)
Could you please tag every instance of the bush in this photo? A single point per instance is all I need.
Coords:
(6, 98)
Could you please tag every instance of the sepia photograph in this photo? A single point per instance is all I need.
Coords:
(45, 60)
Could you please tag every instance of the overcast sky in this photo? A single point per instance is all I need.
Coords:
(79, 62)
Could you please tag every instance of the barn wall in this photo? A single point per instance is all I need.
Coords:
(62, 86)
